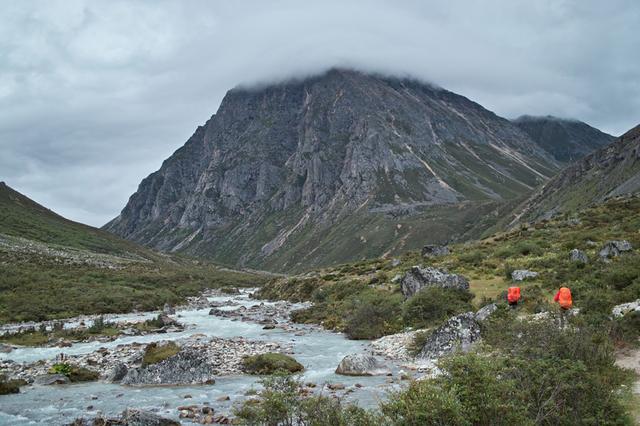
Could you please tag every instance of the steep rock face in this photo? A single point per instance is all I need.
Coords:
(320, 170)
(565, 140)
(611, 171)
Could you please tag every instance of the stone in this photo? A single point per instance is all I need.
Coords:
(578, 256)
(418, 278)
(614, 248)
(431, 250)
(223, 398)
(335, 386)
(51, 379)
(523, 274)
(486, 311)
(167, 309)
(117, 373)
(459, 333)
(136, 417)
(361, 365)
(186, 367)
(619, 311)
(5, 349)
(395, 262)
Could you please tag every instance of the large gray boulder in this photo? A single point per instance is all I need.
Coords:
(136, 417)
(486, 311)
(51, 379)
(434, 251)
(614, 248)
(167, 309)
(184, 368)
(117, 373)
(459, 333)
(418, 278)
(578, 256)
(361, 365)
(523, 274)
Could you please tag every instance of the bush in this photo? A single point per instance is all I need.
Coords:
(61, 368)
(74, 373)
(373, 314)
(432, 305)
(271, 363)
(157, 352)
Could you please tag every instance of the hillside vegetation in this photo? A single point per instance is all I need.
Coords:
(51, 267)
(363, 300)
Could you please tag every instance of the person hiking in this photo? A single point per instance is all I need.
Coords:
(513, 296)
(563, 297)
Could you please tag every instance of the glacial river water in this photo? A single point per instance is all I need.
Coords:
(319, 351)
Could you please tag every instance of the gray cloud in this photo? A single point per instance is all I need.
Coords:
(95, 94)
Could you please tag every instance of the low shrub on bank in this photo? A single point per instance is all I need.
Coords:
(75, 373)
(271, 363)
(434, 305)
(157, 352)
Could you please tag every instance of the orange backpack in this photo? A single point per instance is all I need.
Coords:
(513, 294)
(564, 298)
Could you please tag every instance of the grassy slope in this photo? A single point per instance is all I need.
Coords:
(544, 248)
(41, 284)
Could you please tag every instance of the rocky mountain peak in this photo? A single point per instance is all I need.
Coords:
(316, 170)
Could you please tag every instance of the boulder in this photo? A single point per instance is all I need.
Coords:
(418, 278)
(361, 365)
(136, 417)
(51, 379)
(522, 274)
(625, 308)
(167, 321)
(167, 309)
(486, 311)
(578, 256)
(431, 250)
(614, 248)
(117, 373)
(5, 349)
(184, 368)
(459, 333)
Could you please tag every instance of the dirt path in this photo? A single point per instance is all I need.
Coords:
(631, 359)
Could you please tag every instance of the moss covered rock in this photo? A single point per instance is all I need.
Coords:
(270, 363)
(157, 352)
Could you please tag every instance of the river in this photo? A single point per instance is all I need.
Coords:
(318, 350)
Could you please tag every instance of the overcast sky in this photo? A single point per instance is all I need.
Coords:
(94, 95)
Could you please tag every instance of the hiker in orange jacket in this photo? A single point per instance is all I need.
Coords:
(513, 296)
(563, 297)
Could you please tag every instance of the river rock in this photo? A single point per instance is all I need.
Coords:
(361, 365)
(459, 333)
(578, 256)
(614, 248)
(136, 417)
(486, 311)
(186, 367)
(5, 349)
(51, 379)
(167, 321)
(431, 250)
(523, 274)
(418, 278)
(625, 308)
(118, 372)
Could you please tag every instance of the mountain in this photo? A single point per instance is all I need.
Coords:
(331, 168)
(610, 172)
(51, 267)
(565, 140)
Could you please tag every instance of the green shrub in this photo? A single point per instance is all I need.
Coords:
(271, 363)
(74, 373)
(372, 314)
(432, 305)
(157, 352)
(61, 368)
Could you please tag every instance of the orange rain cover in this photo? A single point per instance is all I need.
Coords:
(513, 294)
(564, 298)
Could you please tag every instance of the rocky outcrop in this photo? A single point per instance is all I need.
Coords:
(578, 256)
(619, 311)
(361, 365)
(318, 155)
(434, 251)
(167, 309)
(614, 249)
(459, 333)
(523, 274)
(418, 278)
